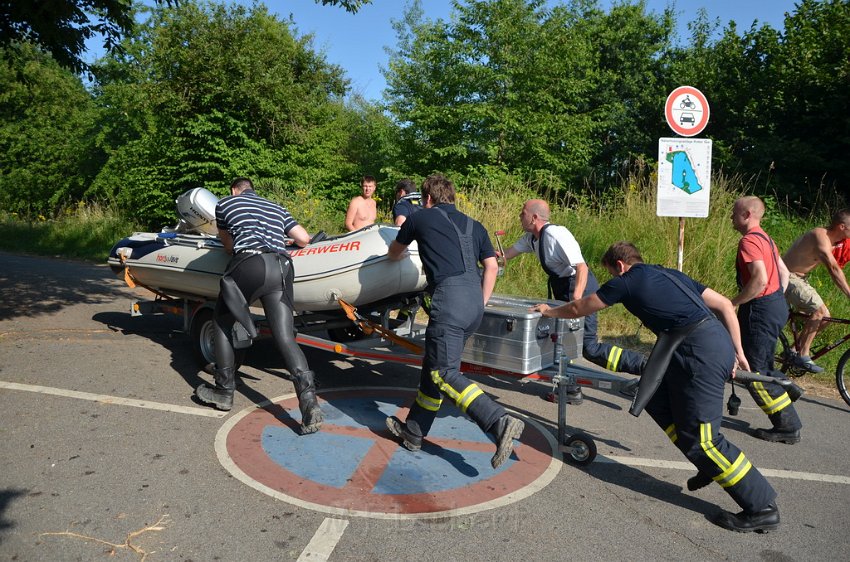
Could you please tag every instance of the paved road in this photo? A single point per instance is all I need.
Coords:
(102, 449)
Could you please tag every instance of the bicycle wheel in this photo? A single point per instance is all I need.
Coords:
(842, 376)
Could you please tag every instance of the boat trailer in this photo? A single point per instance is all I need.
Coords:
(369, 333)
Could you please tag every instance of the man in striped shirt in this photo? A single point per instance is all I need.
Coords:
(254, 229)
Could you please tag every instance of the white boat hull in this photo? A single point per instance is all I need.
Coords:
(353, 267)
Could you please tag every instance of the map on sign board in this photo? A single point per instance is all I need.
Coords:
(684, 177)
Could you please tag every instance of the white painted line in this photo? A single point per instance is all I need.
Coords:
(680, 465)
(106, 399)
(324, 541)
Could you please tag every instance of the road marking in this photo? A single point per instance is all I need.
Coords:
(210, 413)
(106, 399)
(324, 541)
(680, 465)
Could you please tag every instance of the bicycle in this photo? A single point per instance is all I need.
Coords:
(787, 353)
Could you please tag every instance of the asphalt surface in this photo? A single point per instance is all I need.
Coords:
(104, 454)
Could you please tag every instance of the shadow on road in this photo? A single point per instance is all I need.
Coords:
(6, 498)
(38, 286)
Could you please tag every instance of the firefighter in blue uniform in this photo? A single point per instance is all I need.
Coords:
(762, 312)
(451, 245)
(688, 404)
(407, 201)
(254, 230)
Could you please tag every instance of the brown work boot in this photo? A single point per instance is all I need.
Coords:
(505, 430)
(411, 435)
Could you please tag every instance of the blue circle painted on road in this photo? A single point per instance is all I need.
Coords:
(353, 465)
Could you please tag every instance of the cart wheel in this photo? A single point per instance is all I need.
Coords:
(584, 449)
(203, 341)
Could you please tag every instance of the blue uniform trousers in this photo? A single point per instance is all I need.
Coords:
(688, 406)
(456, 310)
(609, 356)
(761, 322)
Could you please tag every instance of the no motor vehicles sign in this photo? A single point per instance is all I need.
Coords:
(686, 111)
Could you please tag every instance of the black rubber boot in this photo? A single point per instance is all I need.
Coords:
(701, 480)
(775, 435)
(760, 521)
(505, 431)
(219, 395)
(794, 391)
(311, 414)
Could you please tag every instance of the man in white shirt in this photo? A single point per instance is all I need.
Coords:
(569, 279)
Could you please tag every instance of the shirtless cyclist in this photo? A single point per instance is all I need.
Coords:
(805, 254)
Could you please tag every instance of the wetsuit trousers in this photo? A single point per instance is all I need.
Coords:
(761, 322)
(609, 356)
(267, 278)
(688, 406)
(456, 310)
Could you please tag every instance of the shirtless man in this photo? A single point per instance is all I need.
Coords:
(362, 210)
(813, 248)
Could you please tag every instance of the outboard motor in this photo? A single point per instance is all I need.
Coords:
(196, 208)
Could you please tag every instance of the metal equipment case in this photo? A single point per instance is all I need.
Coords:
(514, 339)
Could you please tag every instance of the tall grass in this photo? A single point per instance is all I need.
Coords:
(84, 232)
(627, 213)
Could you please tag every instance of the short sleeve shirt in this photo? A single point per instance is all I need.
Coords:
(439, 247)
(560, 249)
(756, 245)
(654, 298)
(404, 208)
(254, 222)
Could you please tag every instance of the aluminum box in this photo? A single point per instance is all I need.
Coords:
(514, 339)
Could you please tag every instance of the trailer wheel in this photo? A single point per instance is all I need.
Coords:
(583, 449)
(347, 334)
(203, 341)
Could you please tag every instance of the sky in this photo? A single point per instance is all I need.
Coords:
(357, 42)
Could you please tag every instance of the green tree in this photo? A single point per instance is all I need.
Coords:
(207, 92)
(514, 85)
(812, 139)
(62, 27)
(47, 121)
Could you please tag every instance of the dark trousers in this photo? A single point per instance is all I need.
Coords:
(267, 278)
(457, 307)
(761, 322)
(688, 406)
(609, 356)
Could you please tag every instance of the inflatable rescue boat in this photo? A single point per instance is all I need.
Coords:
(189, 260)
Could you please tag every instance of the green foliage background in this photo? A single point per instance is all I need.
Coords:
(511, 98)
